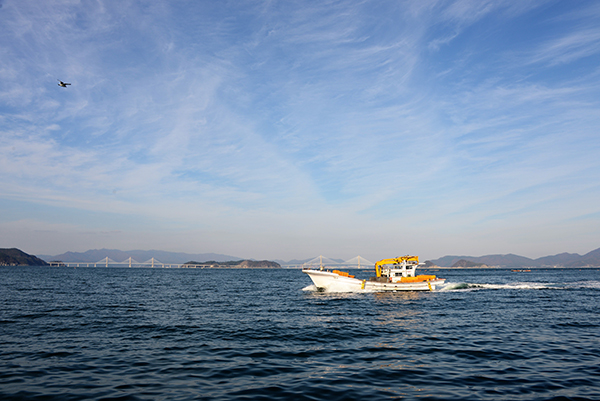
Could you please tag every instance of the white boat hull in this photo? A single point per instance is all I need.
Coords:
(332, 282)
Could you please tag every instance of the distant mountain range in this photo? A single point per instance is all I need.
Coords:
(95, 255)
(509, 260)
(562, 259)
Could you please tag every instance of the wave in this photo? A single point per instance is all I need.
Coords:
(520, 286)
(586, 284)
(485, 286)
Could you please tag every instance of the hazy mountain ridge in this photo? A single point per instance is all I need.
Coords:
(510, 260)
(467, 263)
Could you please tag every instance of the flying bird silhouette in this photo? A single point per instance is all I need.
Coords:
(63, 84)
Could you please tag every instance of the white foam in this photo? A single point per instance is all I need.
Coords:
(585, 284)
(453, 287)
(486, 286)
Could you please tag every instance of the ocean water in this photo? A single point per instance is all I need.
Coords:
(190, 334)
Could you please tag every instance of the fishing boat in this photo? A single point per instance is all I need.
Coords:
(396, 274)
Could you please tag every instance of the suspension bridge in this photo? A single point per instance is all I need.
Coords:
(357, 262)
(130, 262)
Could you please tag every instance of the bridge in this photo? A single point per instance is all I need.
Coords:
(130, 262)
(357, 262)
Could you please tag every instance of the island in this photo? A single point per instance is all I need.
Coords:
(235, 264)
(16, 257)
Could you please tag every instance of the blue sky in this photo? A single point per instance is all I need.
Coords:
(281, 130)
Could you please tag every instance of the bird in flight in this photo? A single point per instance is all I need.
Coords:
(63, 84)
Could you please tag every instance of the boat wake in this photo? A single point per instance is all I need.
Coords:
(484, 286)
(586, 284)
(519, 286)
(311, 288)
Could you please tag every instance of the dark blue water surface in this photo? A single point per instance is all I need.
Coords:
(184, 334)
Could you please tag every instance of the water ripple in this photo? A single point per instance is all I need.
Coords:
(143, 334)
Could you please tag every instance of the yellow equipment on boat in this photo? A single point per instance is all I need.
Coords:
(417, 279)
(394, 261)
(343, 274)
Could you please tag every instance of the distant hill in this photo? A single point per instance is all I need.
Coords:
(238, 264)
(16, 257)
(562, 259)
(490, 260)
(95, 255)
(589, 259)
(466, 263)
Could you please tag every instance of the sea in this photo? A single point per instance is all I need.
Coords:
(254, 334)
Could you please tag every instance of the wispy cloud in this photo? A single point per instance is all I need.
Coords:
(568, 48)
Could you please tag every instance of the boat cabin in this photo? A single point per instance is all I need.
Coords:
(399, 270)
(395, 272)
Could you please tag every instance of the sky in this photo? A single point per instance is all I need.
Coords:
(285, 130)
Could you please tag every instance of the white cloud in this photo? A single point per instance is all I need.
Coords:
(568, 48)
